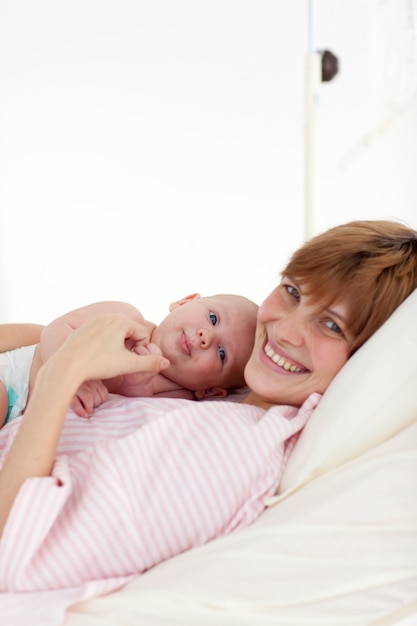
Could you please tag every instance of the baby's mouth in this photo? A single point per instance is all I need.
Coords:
(281, 362)
(185, 344)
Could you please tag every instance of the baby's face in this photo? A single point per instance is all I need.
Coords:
(208, 341)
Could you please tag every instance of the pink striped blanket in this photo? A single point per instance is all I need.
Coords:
(143, 480)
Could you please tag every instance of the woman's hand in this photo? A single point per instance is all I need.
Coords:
(96, 350)
(102, 348)
(139, 383)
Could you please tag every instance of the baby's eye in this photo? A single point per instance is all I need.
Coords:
(222, 353)
(213, 318)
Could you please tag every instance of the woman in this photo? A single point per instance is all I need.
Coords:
(194, 471)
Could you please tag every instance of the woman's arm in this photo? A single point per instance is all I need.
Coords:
(96, 350)
(19, 335)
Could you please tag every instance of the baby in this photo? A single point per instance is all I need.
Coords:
(206, 340)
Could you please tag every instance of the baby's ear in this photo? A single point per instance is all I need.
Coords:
(212, 392)
(175, 305)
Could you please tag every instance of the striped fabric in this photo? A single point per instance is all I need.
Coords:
(141, 481)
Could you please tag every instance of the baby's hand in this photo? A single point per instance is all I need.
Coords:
(91, 394)
(140, 384)
(145, 337)
(150, 348)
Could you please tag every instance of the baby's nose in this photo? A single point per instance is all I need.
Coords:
(205, 337)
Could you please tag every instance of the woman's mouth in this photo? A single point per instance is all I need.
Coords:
(282, 362)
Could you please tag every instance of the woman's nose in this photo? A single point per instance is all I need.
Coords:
(290, 328)
(205, 337)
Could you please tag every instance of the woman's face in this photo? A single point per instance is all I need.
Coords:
(299, 348)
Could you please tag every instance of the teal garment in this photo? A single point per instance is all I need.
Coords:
(12, 397)
(15, 368)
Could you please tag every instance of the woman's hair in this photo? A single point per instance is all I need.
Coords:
(370, 265)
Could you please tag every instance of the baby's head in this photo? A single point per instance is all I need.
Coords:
(208, 342)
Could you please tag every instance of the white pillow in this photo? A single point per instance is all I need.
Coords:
(371, 399)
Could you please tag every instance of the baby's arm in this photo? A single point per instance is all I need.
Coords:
(91, 393)
(160, 386)
(57, 331)
(18, 335)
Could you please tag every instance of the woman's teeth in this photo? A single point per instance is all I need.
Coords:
(279, 360)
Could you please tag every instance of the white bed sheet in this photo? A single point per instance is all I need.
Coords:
(341, 551)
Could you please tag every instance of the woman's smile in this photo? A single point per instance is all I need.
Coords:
(283, 362)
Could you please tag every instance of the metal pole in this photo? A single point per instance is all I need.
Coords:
(313, 79)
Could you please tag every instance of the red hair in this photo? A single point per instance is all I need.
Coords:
(370, 265)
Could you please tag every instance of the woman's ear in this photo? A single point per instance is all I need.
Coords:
(212, 392)
(175, 305)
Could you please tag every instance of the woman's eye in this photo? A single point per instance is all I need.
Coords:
(331, 325)
(222, 353)
(293, 291)
(213, 318)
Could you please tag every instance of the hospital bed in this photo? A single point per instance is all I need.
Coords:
(337, 546)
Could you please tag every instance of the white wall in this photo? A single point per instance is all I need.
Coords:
(153, 149)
